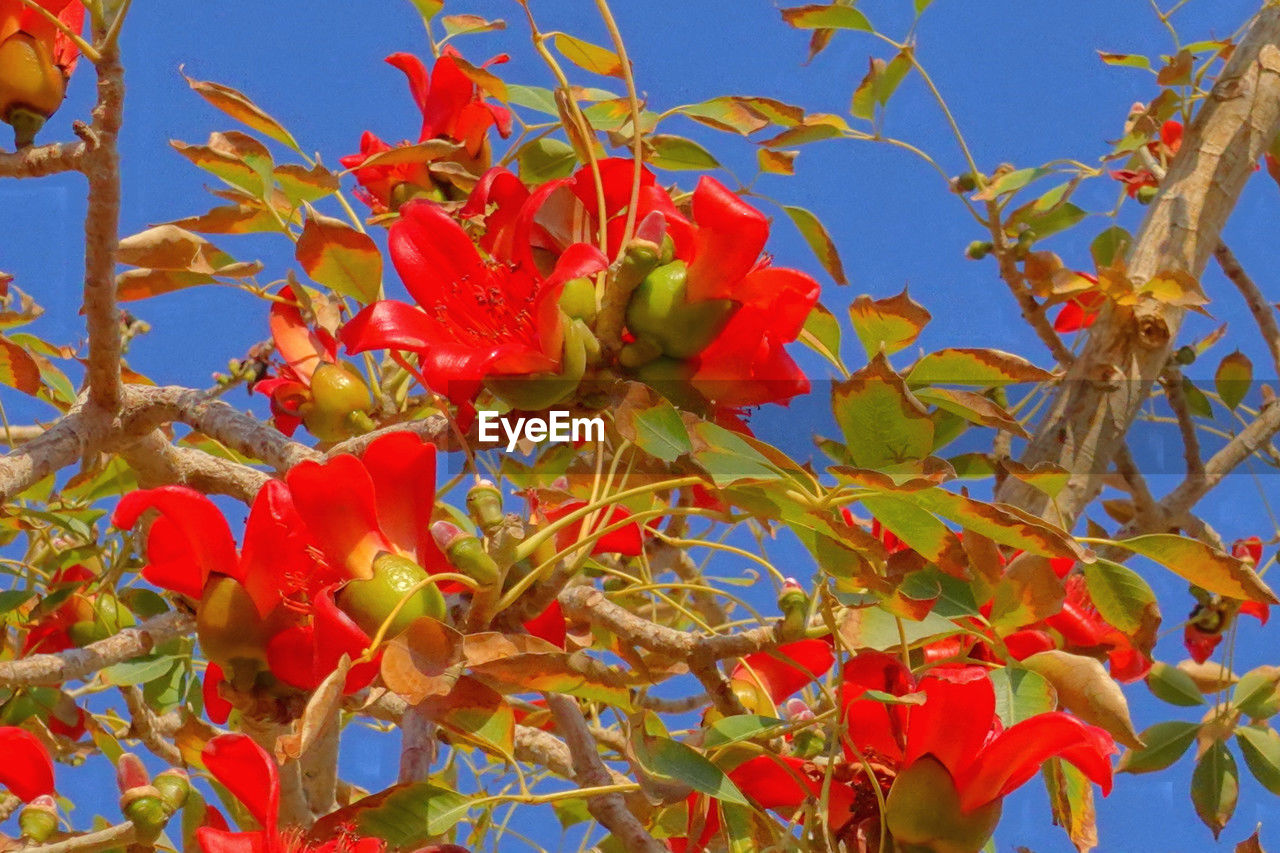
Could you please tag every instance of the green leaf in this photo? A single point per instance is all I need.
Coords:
(1197, 403)
(669, 759)
(878, 84)
(819, 241)
(1255, 692)
(726, 457)
(406, 816)
(1215, 787)
(1126, 60)
(138, 671)
(1109, 246)
(1233, 378)
(1050, 222)
(883, 423)
(1205, 567)
(727, 113)
(917, 527)
(428, 9)
(833, 16)
(1165, 744)
(676, 153)
(1173, 685)
(1021, 694)
(545, 159)
(1120, 595)
(741, 727)
(1261, 750)
(588, 56)
(891, 324)
(1011, 182)
(340, 258)
(12, 599)
(660, 432)
(980, 368)
(461, 25)
(824, 328)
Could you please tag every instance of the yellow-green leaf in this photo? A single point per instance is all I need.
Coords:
(588, 56)
(820, 242)
(882, 422)
(981, 368)
(1086, 690)
(834, 16)
(890, 324)
(1203, 566)
(1233, 378)
(340, 257)
(678, 154)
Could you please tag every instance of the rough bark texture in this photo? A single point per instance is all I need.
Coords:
(1097, 402)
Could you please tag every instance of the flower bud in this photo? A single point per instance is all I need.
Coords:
(965, 183)
(337, 392)
(793, 601)
(978, 249)
(228, 625)
(484, 504)
(148, 812)
(173, 785)
(467, 554)
(38, 819)
(752, 697)
(369, 602)
(807, 743)
(578, 299)
(1185, 355)
(131, 773)
(797, 709)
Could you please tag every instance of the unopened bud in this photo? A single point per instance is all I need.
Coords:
(966, 183)
(1147, 194)
(39, 819)
(807, 743)
(1185, 355)
(467, 554)
(131, 773)
(146, 810)
(978, 249)
(173, 786)
(484, 503)
(793, 601)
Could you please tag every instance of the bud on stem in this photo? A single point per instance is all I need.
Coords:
(484, 504)
(38, 820)
(793, 601)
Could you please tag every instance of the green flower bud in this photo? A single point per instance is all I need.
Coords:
(467, 554)
(148, 812)
(965, 183)
(484, 504)
(337, 391)
(542, 390)
(173, 786)
(38, 819)
(578, 299)
(1185, 355)
(978, 249)
(1146, 195)
(793, 601)
(808, 742)
(228, 625)
(369, 602)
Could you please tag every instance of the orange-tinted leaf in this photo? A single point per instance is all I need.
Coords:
(1203, 566)
(588, 56)
(891, 324)
(1085, 689)
(239, 107)
(820, 242)
(17, 368)
(425, 660)
(340, 257)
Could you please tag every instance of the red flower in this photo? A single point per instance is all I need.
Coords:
(1213, 614)
(778, 674)
(627, 540)
(946, 763)
(272, 603)
(761, 308)
(36, 60)
(27, 769)
(311, 386)
(1081, 311)
(453, 110)
(1162, 149)
(476, 318)
(250, 774)
(52, 632)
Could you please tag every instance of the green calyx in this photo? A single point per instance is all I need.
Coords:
(541, 391)
(923, 812)
(578, 299)
(660, 312)
(395, 578)
(484, 505)
(339, 397)
(228, 625)
(147, 810)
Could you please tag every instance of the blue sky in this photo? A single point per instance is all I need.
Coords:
(1022, 77)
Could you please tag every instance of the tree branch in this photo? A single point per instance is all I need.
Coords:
(41, 160)
(590, 772)
(1095, 405)
(1263, 314)
(159, 463)
(74, 664)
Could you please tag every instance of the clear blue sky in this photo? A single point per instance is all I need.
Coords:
(1023, 78)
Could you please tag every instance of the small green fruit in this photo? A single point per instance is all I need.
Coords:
(370, 602)
(923, 812)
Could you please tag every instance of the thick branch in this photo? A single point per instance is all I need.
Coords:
(159, 463)
(113, 837)
(74, 664)
(102, 234)
(1128, 348)
(62, 444)
(590, 772)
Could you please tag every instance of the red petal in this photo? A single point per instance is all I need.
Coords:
(249, 773)
(403, 469)
(416, 72)
(432, 253)
(787, 670)
(276, 557)
(779, 783)
(389, 324)
(336, 500)
(730, 236)
(1016, 754)
(213, 840)
(191, 538)
(1257, 610)
(627, 540)
(27, 769)
(1024, 644)
(957, 716)
(215, 707)
(871, 725)
(548, 625)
